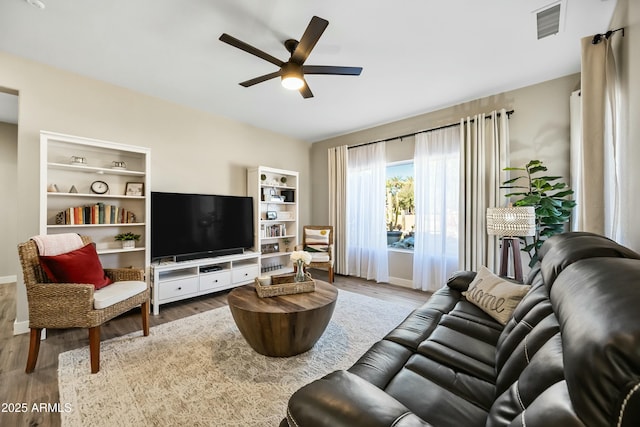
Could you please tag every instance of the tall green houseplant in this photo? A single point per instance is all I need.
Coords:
(547, 195)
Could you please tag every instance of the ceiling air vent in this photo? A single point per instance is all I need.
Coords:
(548, 21)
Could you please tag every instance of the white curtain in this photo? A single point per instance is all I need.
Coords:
(437, 201)
(367, 239)
(575, 161)
(337, 167)
(596, 160)
(485, 151)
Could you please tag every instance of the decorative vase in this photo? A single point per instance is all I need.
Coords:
(128, 244)
(300, 271)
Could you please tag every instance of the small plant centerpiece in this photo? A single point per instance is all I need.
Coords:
(300, 259)
(547, 195)
(128, 239)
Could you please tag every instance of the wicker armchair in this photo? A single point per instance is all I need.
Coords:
(321, 260)
(67, 305)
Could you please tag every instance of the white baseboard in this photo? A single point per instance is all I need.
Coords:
(405, 283)
(8, 279)
(20, 327)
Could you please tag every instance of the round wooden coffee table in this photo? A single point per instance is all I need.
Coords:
(284, 325)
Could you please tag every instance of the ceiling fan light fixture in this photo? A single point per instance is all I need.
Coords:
(292, 76)
(292, 82)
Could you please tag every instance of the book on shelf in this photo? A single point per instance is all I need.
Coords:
(95, 214)
(275, 230)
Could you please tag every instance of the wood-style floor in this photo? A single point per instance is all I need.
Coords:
(18, 388)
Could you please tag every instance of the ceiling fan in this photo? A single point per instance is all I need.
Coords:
(292, 72)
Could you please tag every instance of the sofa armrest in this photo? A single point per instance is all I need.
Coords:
(344, 399)
(460, 280)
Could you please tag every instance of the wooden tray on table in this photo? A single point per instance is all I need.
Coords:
(284, 284)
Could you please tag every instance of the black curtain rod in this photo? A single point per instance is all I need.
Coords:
(598, 37)
(509, 113)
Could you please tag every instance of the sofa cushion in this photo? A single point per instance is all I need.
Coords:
(382, 362)
(560, 252)
(80, 266)
(439, 396)
(319, 404)
(460, 280)
(596, 301)
(494, 295)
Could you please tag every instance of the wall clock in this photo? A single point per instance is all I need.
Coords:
(99, 187)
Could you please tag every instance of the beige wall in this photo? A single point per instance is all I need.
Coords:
(539, 129)
(8, 194)
(627, 48)
(191, 151)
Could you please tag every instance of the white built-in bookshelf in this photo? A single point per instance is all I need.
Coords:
(68, 161)
(275, 198)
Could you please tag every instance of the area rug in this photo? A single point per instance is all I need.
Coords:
(199, 371)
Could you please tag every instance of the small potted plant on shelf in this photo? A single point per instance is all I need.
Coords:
(286, 242)
(128, 239)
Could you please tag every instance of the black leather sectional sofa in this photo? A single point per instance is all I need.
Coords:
(569, 356)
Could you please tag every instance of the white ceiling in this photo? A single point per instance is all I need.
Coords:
(417, 55)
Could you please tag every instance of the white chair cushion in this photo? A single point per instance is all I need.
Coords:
(319, 256)
(116, 292)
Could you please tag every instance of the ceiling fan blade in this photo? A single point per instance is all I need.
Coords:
(250, 49)
(305, 91)
(309, 39)
(329, 69)
(260, 79)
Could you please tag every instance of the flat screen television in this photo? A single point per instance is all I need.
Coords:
(192, 226)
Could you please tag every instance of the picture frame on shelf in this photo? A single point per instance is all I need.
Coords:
(134, 189)
(270, 248)
(271, 215)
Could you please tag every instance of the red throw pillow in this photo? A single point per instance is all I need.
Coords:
(80, 266)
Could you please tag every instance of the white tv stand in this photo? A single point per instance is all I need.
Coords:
(175, 281)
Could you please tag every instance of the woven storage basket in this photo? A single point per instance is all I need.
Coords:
(284, 284)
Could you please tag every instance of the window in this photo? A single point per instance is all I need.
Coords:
(400, 205)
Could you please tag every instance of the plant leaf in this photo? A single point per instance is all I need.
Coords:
(515, 194)
(537, 169)
(549, 202)
(532, 199)
(550, 178)
(509, 181)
